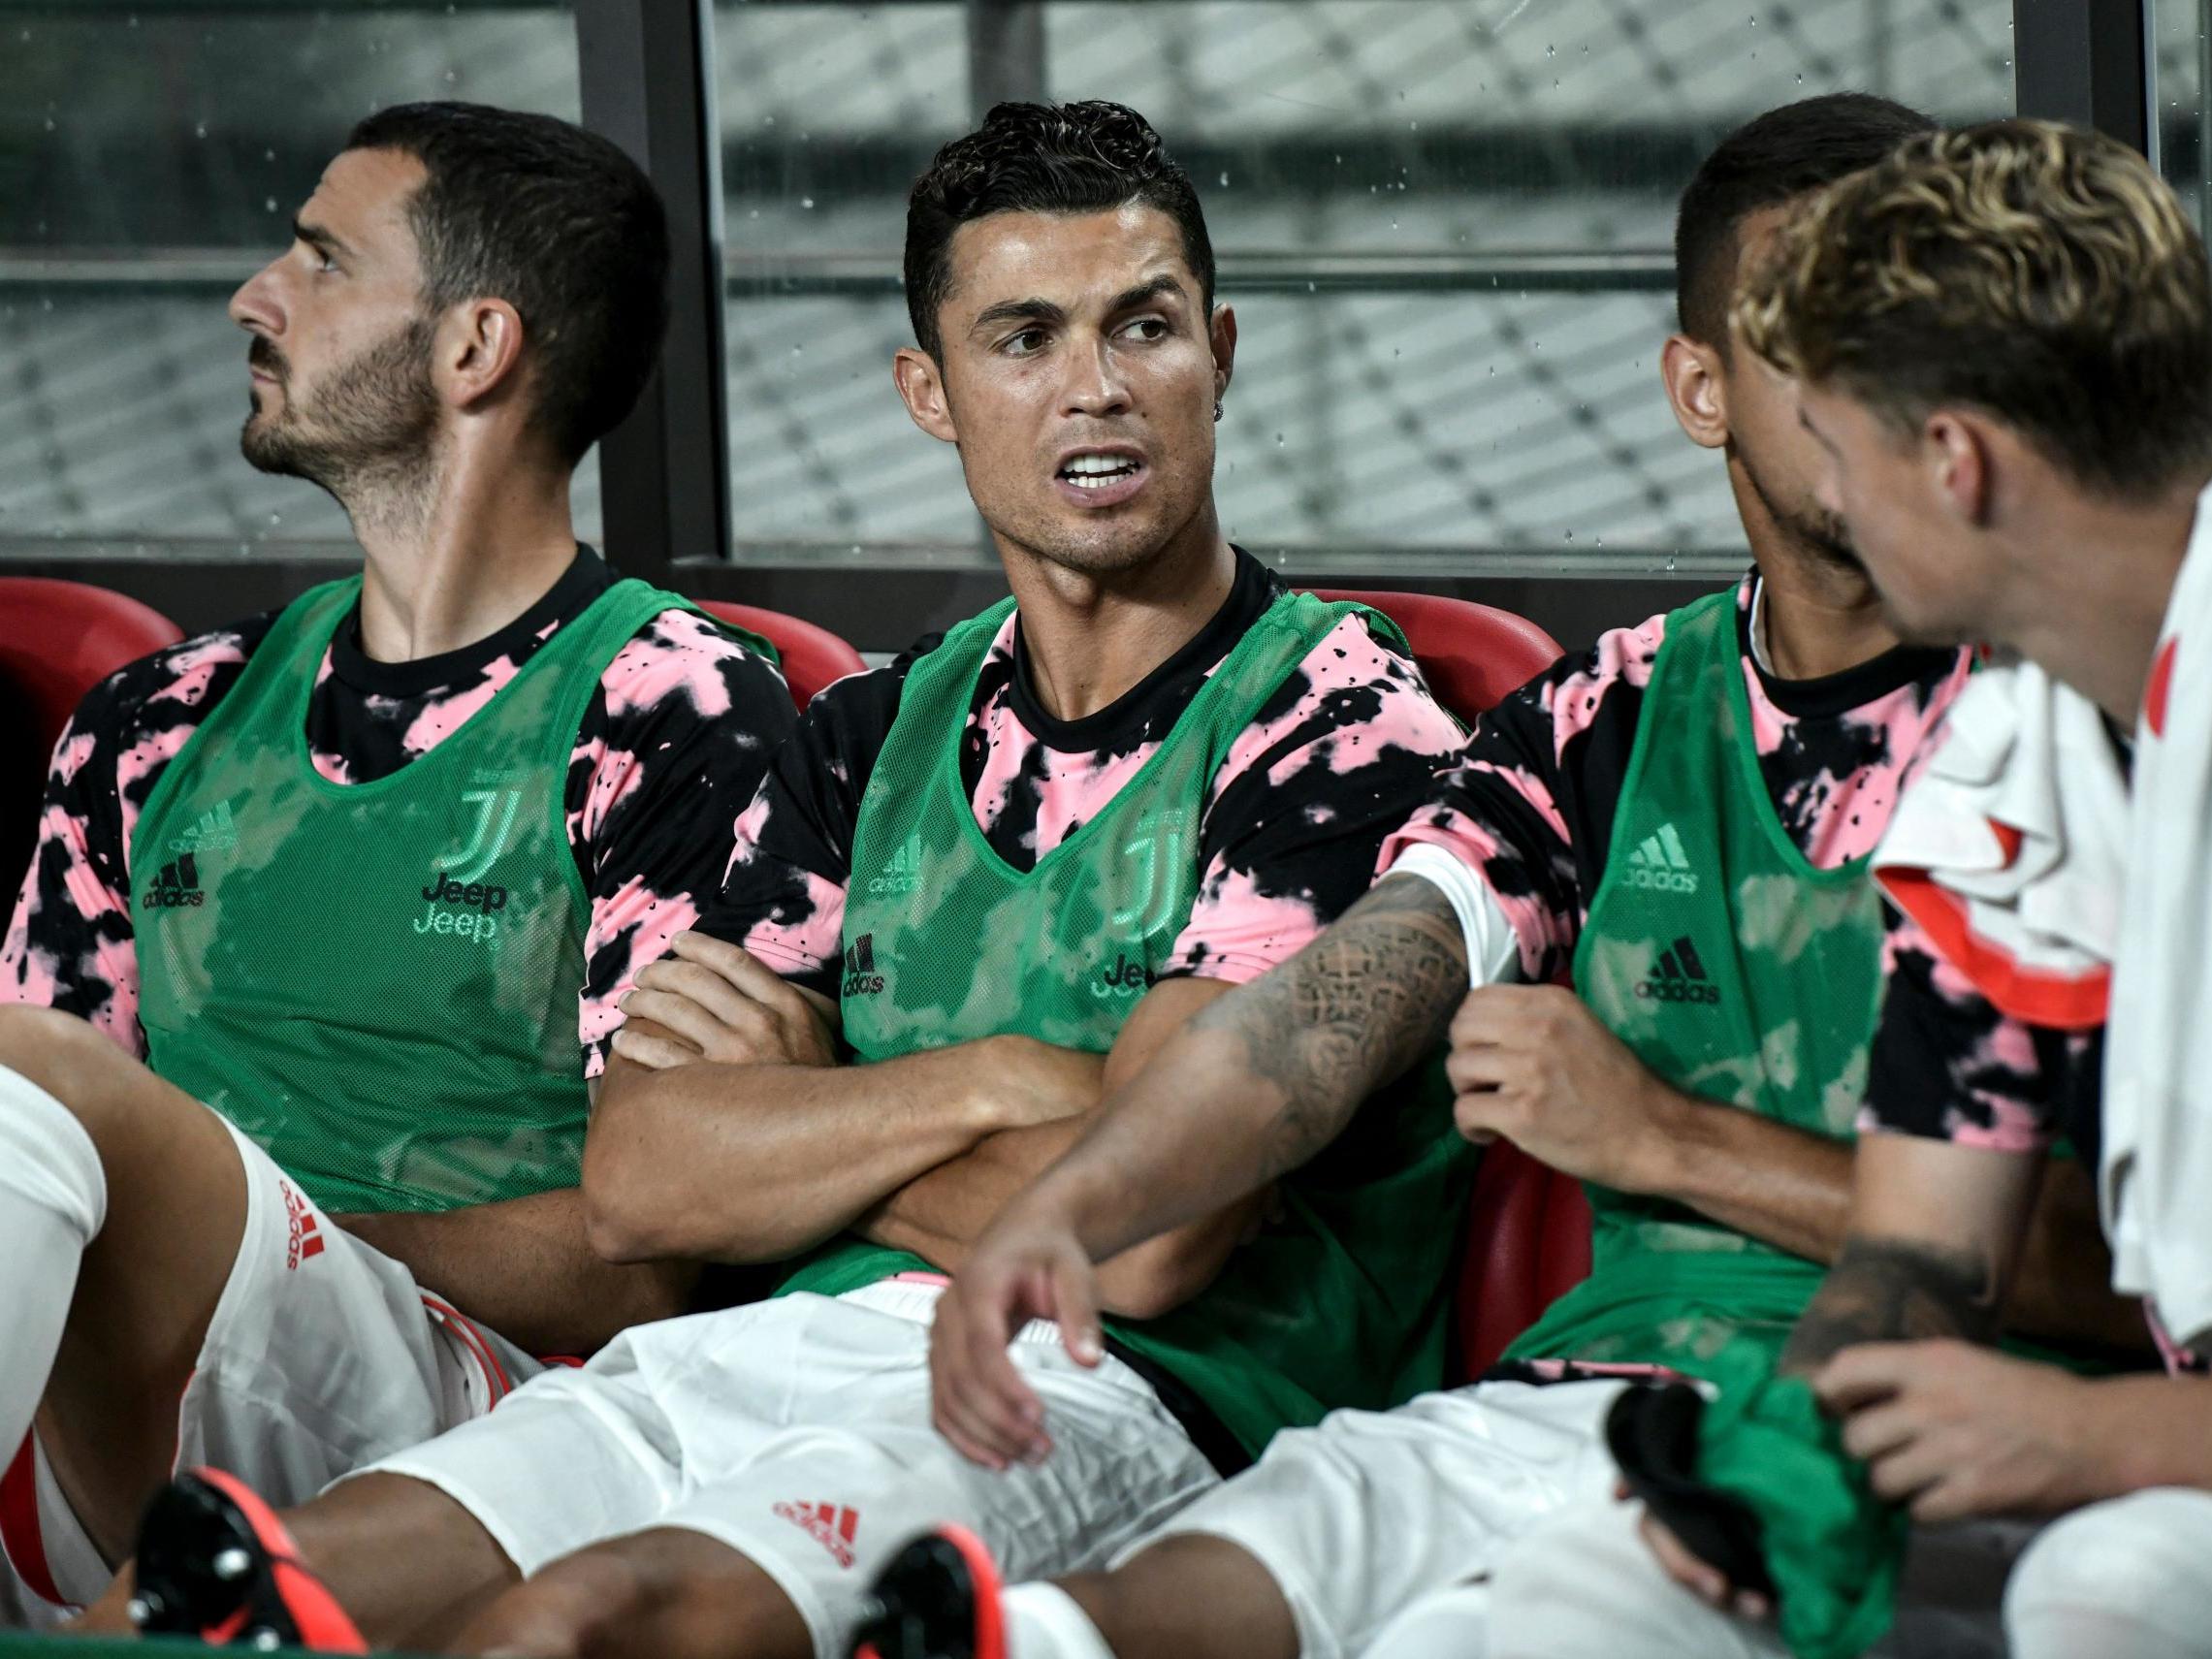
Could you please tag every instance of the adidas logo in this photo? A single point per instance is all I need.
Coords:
(176, 887)
(215, 832)
(903, 874)
(1660, 864)
(1681, 978)
(830, 1525)
(1125, 978)
(860, 977)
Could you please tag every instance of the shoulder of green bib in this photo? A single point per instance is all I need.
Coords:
(1702, 609)
(644, 601)
(1321, 614)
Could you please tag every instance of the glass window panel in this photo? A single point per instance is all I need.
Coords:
(2181, 121)
(1480, 194)
(151, 156)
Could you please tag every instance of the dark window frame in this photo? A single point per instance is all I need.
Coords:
(646, 79)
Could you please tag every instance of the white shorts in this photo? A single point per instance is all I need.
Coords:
(2127, 1579)
(797, 1433)
(1584, 1582)
(1370, 1512)
(322, 1354)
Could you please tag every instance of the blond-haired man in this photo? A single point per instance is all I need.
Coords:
(2003, 340)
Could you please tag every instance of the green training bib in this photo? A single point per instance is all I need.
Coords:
(1737, 972)
(378, 982)
(1340, 1300)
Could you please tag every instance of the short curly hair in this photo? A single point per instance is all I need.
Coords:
(2040, 272)
(1042, 158)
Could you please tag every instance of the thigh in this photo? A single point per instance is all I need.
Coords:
(2130, 1578)
(151, 1276)
(318, 1356)
(1585, 1582)
(823, 1504)
(1371, 1510)
(577, 1456)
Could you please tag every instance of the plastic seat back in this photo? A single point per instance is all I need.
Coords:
(60, 639)
(1527, 1239)
(57, 641)
(1471, 653)
(1527, 1245)
(812, 657)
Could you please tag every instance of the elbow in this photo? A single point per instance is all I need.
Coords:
(631, 1199)
(1152, 1280)
(621, 1222)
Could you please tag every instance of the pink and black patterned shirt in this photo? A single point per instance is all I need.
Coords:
(1531, 809)
(674, 739)
(1343, 754)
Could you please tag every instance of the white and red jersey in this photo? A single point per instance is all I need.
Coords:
(2066, 872)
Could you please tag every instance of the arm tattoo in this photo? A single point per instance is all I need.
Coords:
(1889, 1290)
(1351, 1012)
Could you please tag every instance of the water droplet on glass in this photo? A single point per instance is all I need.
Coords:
(268, 203)
(1278, 440)
(1550, 52)
(199, 129)
(1570, 535)
(798, 351)
(277, 518)
(806, 202)
(1670, 561)
(49, 123)
(1225, 179)
(268, 156)
(451, 76)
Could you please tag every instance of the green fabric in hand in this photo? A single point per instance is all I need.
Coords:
(1832, 1547)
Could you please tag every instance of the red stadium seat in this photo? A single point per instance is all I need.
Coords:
(812, 657)
(1527, 1245)
(60, 639)
(57, 641)
(1472, 655)
(1527, 1225)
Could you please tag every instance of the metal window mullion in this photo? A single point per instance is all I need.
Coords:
(647, 77)
(2084, 61)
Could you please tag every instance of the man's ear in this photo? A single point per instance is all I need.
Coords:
(921, 388)
(1696, 392)
(1221, 331)
(1958, 450)
(477, 351)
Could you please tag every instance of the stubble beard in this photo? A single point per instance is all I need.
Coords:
(368, 437)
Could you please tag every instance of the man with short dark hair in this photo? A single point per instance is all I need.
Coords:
(975, 888)
(330, 909)
(1679, 822)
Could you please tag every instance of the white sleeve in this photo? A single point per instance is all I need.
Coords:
(1493, 952)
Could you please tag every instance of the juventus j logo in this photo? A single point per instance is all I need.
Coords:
(1158, 851)
(496, 811)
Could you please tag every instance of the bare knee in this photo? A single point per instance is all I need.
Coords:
(62, 1054)
(669, 1593)
(398, 1553)
(1190, 1596)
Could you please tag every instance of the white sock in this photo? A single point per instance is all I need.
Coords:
(54, 1197)
(1042, 1621)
